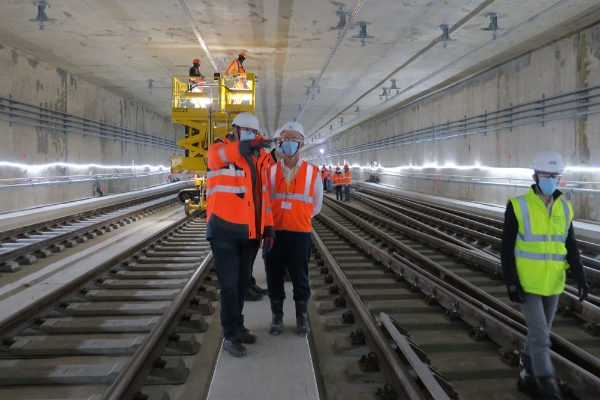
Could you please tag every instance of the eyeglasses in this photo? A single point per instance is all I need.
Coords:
(547, 175)
(281, 141)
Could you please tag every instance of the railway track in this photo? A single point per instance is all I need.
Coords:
(449, 305)
(133, 321)
(24, 245)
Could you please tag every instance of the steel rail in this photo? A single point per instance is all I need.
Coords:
(5, 234)
(560, 344)
(504, 329)
(133, 376)
(13, 324)
(15, 254)
(398, 374)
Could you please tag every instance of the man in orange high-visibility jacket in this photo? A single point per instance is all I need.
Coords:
(338, 182)
(347, 181)
(324, 177)
(239, 215)
(237, 65)
(296, 195)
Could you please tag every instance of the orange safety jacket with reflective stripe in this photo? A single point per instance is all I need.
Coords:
(338, 178)
(235, 67)
(232, 196)
(347, 177)
(324, 174)
(293, 206)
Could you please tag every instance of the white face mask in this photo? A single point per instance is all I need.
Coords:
(246, 135)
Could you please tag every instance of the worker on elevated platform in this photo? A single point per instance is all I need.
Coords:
(296, 195)
(239, 215)
(196, 81)
(538, 246)
(347, 181)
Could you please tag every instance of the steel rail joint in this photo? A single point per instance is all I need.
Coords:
(399, 374)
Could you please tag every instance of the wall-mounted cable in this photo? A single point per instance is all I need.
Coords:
(197, 32)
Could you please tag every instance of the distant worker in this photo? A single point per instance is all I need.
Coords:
(296, 195)
(338, 182)
(196, 82)
(238, 214)
(347, 181)
(538, 246)
(277, 152)
(330, 185)
(237, 65)
(324, 178)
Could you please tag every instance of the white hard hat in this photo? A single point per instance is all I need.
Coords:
(246, 120)
(293, 126)
(548, 161)
(277, 133)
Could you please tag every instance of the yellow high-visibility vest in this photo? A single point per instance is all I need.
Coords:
(540, 250)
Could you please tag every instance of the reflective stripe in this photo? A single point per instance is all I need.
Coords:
(528, 236)
(273, 175)
(226, 189)
(226, 172)
(268, 209)
(309, 172)
(291, 196)
(265, 188)
(222, 154)
(540, 256)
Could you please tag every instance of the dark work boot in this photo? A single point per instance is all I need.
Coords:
(302, 318)
(527, 383)
(258, 289)
(277, 316)
(235, 348)
(246, 337)
(549, 388)
(251, 295)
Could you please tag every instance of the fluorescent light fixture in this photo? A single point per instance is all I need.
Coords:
(321, 151)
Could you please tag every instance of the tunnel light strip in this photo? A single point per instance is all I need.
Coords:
(471, 167)
(79, 166)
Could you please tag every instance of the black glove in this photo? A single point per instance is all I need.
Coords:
(247, 147)
(583, 291)
(516, 293)
(267, 245)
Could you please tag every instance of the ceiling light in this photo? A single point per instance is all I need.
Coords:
(445, 28)
(321, 151)
(493, 24)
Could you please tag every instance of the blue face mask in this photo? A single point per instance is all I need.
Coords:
(279, 149)
(548, 185)
(246, 135)
(290, 148)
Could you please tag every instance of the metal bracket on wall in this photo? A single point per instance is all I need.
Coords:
(41, 17)
(445, 28)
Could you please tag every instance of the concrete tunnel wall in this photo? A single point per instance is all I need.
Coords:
(563, 66)
(25, 78)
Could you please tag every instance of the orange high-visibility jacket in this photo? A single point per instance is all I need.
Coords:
(236, 67)
(324, 174)
(293, 206)
(230, 198)
(338, 178)
(347, 177)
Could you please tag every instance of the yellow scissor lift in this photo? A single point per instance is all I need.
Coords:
(206, 110)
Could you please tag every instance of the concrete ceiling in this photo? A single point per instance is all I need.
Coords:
(121, 44)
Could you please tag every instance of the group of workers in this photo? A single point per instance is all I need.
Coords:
(258, 198)
(338, 179)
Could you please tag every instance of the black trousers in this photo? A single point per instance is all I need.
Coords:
(233, 261)
(339, 194)
(292, 251)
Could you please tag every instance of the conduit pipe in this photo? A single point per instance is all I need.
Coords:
(335, 49)
(197, 32)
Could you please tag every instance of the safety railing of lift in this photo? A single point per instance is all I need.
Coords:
(214, 93)
(18, 112)
(575, 104)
